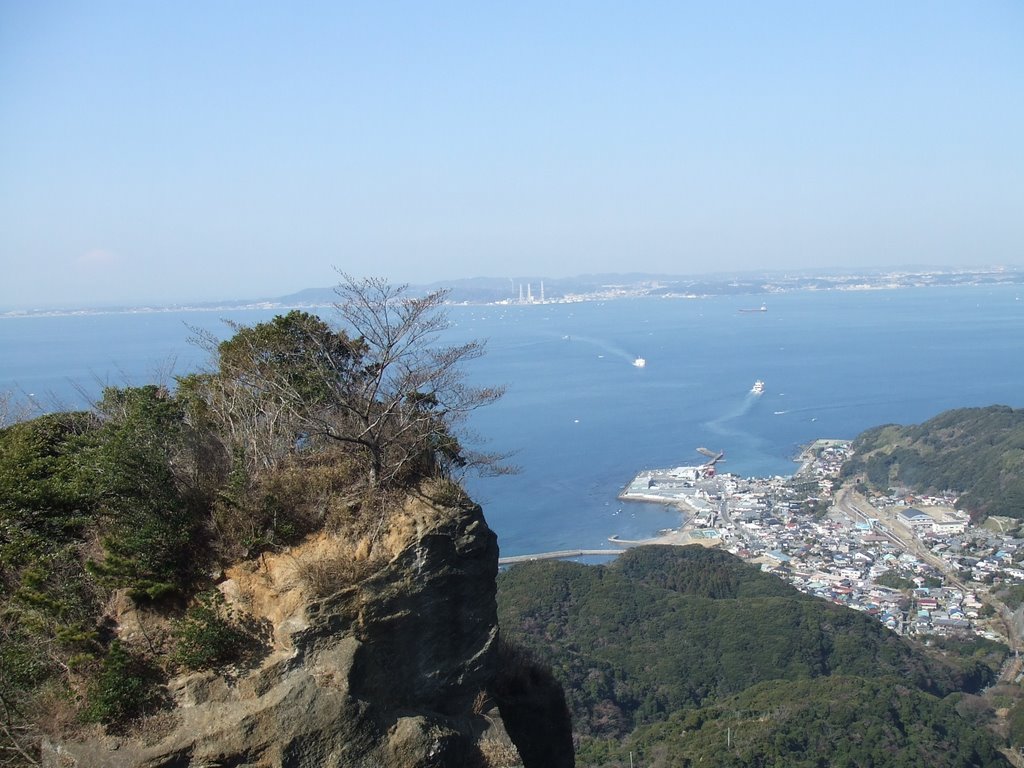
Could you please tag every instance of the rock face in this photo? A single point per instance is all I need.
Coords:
(389, 672)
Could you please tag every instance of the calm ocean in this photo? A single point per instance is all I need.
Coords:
(582, 419)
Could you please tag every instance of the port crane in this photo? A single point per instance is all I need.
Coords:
(707, 469)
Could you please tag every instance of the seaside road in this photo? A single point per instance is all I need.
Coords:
(560, 555)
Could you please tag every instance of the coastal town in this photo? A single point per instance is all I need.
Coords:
(916, 563)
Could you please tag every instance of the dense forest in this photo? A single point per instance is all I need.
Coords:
(137, 504)
(977, 453)
(656, 648)
(833, 722)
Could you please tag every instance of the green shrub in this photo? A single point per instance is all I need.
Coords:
(127, 686)
(210, 635)
(893, 580)
(448, 493)
(1012, 595)
(1015, 725)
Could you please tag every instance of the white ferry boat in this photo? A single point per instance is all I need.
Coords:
(758, 387)
(639, 362)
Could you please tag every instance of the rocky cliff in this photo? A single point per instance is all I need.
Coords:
(398, 667)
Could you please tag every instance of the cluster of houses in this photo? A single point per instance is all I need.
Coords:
(850, 564)
(979, 555)
(855, 563)
(788, 527)
(971, 552)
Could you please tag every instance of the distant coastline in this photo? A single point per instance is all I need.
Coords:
(155, 310)
(527, 291)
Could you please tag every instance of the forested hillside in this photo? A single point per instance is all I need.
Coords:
(838, 721)
(978, 453)
(668, 630)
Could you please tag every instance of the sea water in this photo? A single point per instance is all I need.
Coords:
(581, 419)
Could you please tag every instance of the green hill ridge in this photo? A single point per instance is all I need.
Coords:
(668, 630)
(977, 453)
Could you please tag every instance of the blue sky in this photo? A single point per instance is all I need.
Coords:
(187, 151)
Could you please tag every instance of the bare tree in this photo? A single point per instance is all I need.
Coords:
(382, 384)
(21, 406)
(412, 401)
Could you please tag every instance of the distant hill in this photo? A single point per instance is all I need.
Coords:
(978, 453)
(665, 630)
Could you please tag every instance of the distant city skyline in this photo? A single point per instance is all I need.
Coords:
(196, 152)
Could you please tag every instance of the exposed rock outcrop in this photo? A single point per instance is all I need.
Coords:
(389, 672)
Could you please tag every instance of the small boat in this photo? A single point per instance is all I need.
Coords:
(762, 308)
(639, 362)
(758, 387)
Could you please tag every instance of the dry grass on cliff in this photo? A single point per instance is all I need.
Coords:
(499, 754)
(330, 570)
(364, 544)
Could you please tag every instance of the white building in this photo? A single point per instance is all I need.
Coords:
(949, 526)
(914, 518)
